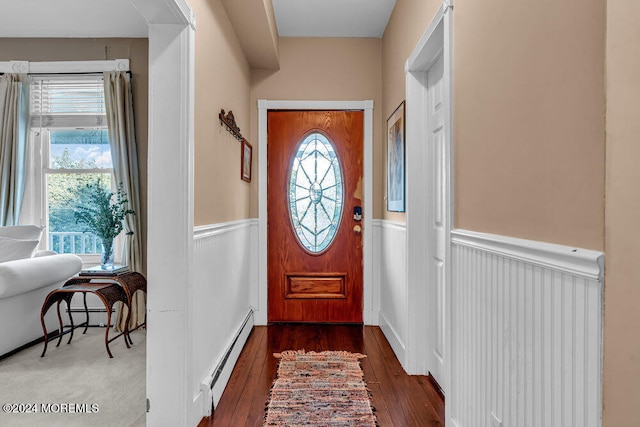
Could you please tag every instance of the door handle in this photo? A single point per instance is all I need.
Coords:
(357, 229)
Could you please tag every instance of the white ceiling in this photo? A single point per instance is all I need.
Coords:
(71, 18)
(118, 18)
(332, 18)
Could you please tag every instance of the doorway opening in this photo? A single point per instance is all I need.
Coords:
(429, 200)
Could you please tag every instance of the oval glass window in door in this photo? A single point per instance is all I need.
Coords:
(315, 193)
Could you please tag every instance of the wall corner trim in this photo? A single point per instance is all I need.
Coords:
(584, 263)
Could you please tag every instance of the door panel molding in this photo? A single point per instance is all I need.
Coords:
(315, 285)
(369, 314)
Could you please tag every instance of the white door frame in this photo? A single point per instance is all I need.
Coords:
(170, 228)
(436, 41)
(369, 315)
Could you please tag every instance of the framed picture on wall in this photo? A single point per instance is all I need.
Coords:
(395, 160)
(245, 164)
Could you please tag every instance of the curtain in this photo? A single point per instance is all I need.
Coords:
(14, 125)
(119, 108)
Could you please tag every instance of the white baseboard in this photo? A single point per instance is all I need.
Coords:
(394, 339)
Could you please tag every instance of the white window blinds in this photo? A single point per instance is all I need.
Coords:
(67, 102)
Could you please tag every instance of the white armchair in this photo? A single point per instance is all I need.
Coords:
(26, 277)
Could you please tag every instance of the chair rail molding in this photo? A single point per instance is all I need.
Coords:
(204, 231)
(583, 263)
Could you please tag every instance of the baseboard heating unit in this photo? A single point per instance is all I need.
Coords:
(213, 384)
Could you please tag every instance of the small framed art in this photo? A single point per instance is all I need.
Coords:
(245, 164)
(396, 160)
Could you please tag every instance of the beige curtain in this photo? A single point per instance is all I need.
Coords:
(119, 107)
(14, 124)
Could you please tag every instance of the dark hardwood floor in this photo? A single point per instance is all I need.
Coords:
(399, 399)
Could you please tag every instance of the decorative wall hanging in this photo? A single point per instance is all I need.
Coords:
(229, 122)
(245, 170)
(396, 160)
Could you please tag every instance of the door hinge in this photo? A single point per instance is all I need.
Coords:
(148, 405)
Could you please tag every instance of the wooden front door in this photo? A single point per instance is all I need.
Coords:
(314, 244)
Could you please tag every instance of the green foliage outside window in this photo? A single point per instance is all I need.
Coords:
(63, 200)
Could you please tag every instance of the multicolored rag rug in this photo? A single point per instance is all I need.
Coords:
(319, 389)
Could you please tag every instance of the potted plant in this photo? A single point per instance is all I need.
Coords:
(102, 212)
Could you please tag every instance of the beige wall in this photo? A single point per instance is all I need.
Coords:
(529, 119)
(404, 29)
(136, 50)
(222, 81)
(324, 69)
(528, 114)
(529, 140)
(622, 280)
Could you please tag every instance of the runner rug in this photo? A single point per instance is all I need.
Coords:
(319, 389)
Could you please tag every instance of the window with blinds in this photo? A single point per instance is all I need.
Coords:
(71, 145)
(67, 102)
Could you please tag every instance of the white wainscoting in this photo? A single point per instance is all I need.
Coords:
(224, 282)
(390, 255)
(526, 333)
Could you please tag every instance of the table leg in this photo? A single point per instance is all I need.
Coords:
(126, 325)
(86, 312)
(126, 331)
(68, 300)
(106, 333)
(43, 311)
(60, 322)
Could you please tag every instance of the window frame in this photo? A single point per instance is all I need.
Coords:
(41, 124)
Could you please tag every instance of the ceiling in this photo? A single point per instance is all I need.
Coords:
(332, 18)
(73, 18)
(118, 18)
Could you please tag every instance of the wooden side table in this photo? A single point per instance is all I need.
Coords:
(130, 282)
(109, 294)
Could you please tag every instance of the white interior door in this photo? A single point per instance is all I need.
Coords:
(437, 229)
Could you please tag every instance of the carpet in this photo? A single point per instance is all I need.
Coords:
(79, 374)
(319, 389)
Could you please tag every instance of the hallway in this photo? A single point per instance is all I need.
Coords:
(399, 399)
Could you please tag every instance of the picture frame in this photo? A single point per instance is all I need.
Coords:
(396, 160)
(245, 163)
